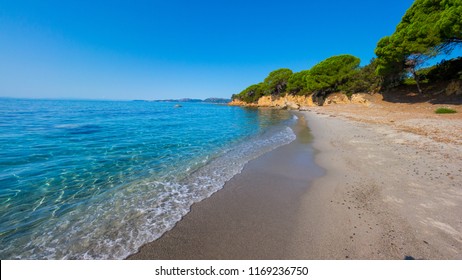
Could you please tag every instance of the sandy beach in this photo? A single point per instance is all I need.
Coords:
(387, 194)
(254, 216)
(384, 191)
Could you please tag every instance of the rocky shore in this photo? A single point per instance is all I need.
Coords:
(303, 103)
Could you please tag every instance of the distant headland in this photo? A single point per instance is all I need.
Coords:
(207, 100)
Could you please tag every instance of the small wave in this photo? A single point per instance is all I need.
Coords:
(115, 225)
(68, 125)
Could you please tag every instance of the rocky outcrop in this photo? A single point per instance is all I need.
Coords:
(294, 102)
(454, 88)
(237, 102)
(270, 101)
(360, 98)
(336, 98)
(302, 103)
(341, 98)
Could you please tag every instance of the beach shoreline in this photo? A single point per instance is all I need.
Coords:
(253, 216)
(386, 194)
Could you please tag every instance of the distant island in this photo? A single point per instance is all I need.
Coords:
(207, 100)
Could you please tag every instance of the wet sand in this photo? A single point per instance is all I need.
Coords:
(253, 216)
(386, 194)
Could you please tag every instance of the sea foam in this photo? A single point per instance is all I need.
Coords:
(100, 183)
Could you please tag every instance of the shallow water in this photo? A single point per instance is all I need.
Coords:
(97, 179)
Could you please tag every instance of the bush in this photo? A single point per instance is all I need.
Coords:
(446, 70)
(445, 111)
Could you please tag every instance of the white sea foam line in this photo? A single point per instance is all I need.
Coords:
(97, 231)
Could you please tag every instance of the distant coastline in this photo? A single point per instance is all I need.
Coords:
(191, 100)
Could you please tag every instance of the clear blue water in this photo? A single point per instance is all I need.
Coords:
(98, 179)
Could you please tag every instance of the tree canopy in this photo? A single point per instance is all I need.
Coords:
(250, 94)
(336, 73)
(363, 79)
(276, 82)
(297, 82)
(327, 75)
(428, 28)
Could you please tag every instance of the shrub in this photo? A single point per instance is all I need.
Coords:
(445, 111)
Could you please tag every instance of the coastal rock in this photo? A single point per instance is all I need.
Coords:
(360, 98)
(337, 98)
(266, 101)
(293, 105)
(454, 88)
(301, 100)
(294, 102)
(237, 102)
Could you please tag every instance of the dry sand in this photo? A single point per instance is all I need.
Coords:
(387, 194)
(392, 190)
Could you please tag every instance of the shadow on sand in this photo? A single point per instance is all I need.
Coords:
(432, 93)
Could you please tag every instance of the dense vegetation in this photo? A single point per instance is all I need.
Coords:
(428, 28)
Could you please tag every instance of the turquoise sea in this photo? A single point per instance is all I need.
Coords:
(98, 179)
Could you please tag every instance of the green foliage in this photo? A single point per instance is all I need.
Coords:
(276, 82)
(450, 22)
(428, 28)
(445, 111)
(331, 73)
(297, 83)
(408, 82)
(363, 79)
(390, 57)
(423, 72)
(250, 94)
(445, 70)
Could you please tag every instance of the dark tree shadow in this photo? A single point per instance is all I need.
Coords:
(432, 93)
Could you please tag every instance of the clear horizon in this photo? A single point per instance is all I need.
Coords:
(157, 50)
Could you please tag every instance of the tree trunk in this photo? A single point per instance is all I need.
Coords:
(416, 78)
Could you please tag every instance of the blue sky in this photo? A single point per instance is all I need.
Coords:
(173, 49)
